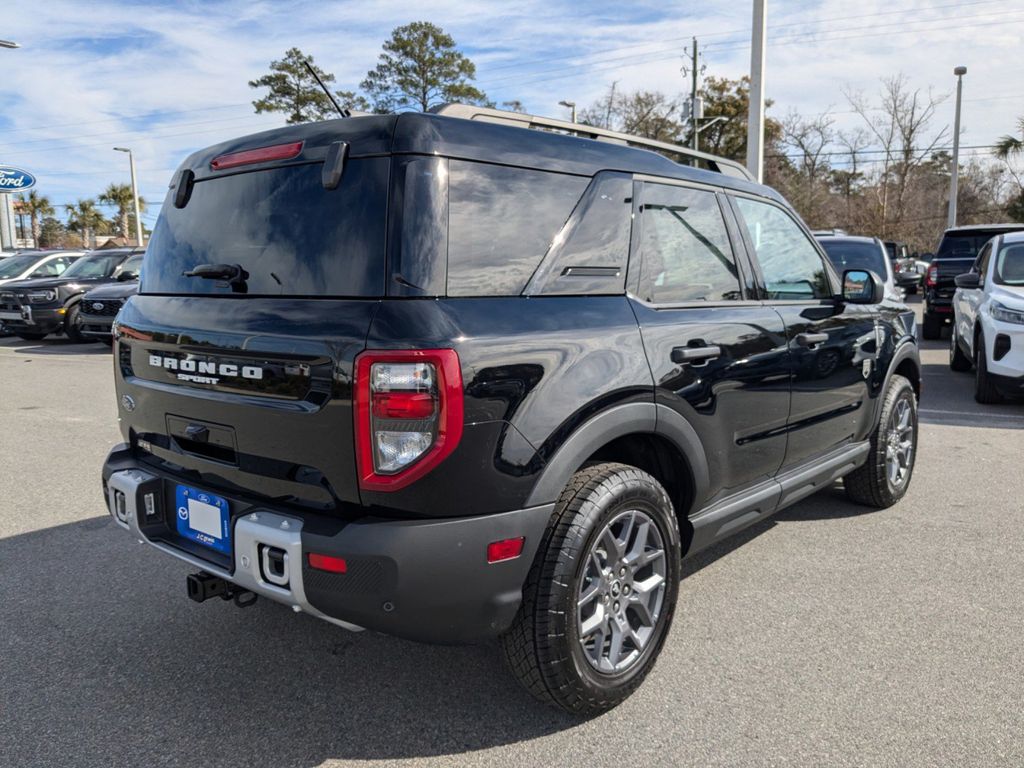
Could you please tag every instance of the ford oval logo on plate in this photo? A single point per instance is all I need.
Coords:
(97, 306)
(15, 179)
(128, 402)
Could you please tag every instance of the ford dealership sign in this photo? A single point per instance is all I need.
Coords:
(15, 179)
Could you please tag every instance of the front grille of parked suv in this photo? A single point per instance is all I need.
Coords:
(106, 308)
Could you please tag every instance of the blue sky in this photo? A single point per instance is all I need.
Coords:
(166, 78)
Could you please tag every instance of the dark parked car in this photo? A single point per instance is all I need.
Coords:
(33, 309)
(445, 378)
(957, 251)
(100, 306)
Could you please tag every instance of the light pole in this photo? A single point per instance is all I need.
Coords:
(955, 171)
(571, 105)
(6, 212)
(135, 195)
(755, 110)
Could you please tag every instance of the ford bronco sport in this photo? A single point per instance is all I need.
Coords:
(442, 377)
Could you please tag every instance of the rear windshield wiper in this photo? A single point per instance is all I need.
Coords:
(233, 274)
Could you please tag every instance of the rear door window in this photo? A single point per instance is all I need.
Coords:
(292, 236)
(501, 222)
(684, 247)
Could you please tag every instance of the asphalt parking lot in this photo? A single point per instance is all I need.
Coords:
(826, 636)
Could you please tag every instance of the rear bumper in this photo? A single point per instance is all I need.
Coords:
(426, 580)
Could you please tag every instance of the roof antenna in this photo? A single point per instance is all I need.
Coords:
(342, 112)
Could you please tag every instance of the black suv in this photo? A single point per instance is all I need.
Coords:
(449, 379)
(33, 309)
(100, 306)
(957, 251)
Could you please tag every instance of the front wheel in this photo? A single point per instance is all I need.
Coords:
(884, 478)
(600, 597)
(72, 325)
(985, 391)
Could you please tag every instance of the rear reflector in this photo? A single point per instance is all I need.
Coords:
(258, 155)
(327, 563)
(506, 549)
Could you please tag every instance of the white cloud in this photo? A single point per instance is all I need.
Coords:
(85, 69)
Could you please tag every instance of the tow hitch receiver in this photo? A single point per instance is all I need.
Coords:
(203, 586)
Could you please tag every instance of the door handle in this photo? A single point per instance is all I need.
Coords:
(687, 355)
(810, 339)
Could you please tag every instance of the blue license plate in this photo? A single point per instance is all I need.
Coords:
(204, 518)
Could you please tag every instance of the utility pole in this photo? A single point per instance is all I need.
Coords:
(694, 116)
(755, 111)
(954, 176)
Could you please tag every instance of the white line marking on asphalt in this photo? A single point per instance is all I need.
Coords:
(971, 413)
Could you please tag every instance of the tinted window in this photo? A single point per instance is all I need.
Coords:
(97, 265)
(1010, 265)
(281, 226)
(851, 254)
(419, 227)
(684, 247)
(790, 263)
(590, 253)
(501, 223)
(963, 245)
(15, 265)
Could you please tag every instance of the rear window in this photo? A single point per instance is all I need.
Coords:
(846, 255)
(501, 222)
(292, 236)
(964, 245)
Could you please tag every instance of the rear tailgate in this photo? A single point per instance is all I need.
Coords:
(237, 377)
(948, 269)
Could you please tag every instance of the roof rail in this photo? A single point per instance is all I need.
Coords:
(523, 120)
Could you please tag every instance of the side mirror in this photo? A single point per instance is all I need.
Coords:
(968, 280)
(861, 286)
(124, 277)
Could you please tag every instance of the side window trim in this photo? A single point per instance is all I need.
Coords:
(636, 266)
(830, 271)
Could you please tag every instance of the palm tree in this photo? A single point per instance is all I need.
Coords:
(37, 207)
(121, 196)
(85, 218)
(1008, 146)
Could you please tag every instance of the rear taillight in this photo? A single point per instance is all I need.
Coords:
(408, 414)
(931, 277)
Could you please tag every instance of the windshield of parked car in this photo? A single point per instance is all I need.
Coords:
(854, 254)
(1010, 265)
(15, 265)
(97, 265)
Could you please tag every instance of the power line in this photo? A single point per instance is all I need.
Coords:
(139, 116)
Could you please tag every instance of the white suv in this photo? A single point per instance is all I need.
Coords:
(988, 320)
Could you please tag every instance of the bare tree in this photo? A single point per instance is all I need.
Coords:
(899, 123)
(809, 139)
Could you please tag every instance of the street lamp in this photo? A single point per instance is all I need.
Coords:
(953, 177)
(135, 195)
(571, 105)
(9, 44)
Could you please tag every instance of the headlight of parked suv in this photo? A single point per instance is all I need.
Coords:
(42, 297)
(1007, 315)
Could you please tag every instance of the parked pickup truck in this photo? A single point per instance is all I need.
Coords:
(957, 251)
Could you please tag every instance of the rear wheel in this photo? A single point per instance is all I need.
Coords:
(931, 328)
(600, 597)
(958, 361)
(884, 478)
(985, 391)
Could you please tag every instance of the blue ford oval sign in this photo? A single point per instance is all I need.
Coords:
(15, 179)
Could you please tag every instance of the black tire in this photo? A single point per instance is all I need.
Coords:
(543, 647)
(912, 290)
(931, 328)
(985, 391)
(71, 329)
(958, 361)
(27, 336)
(870, 484)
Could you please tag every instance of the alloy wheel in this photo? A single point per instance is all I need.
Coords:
(899, 443)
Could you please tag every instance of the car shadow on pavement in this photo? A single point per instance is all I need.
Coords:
(54, 346)
(104, 660)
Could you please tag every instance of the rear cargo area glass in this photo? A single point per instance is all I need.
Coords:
(292, 236)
